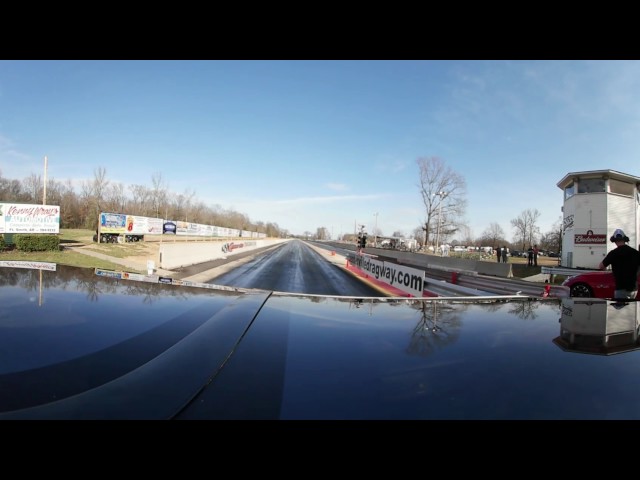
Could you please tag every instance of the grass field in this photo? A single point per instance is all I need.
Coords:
(74, 259)
(64, 257)
(76, 236)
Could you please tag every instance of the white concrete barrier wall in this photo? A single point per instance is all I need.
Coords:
(183, 254)
(434, 261)
(451, 263)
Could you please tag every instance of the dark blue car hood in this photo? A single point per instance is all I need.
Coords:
(76, 345)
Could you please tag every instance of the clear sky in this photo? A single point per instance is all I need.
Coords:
(318, 143)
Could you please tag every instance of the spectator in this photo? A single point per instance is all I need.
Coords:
(536, 251)
(624, 261)
(498, 254)
(530, 256)
(504, 254)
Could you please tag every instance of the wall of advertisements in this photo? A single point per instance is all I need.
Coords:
(119, 223)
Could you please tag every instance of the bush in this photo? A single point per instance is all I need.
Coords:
(2, 244)
(37, 243)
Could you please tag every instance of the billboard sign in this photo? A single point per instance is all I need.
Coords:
(27, 218)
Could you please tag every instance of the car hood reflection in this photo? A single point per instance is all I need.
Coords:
(600, 327)
(79, 345)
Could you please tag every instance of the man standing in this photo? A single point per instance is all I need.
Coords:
(624, 261)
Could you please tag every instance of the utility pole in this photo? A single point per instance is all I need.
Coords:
(44, 190)
(442, 195)
(375, 232)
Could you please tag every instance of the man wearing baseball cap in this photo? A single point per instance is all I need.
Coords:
(624, 261)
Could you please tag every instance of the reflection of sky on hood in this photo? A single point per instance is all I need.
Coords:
(332, 358)
(78, 317)
(441, 356)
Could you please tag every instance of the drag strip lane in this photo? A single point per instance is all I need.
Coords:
(295, 268)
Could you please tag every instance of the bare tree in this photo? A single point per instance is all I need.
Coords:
(158, 194)
(418, 234)
(552, 240)
(85, 207)
(11, 191)
(198, 212)
(115, 198)
(493, 235)
(55, 190)
(444, 196)
(70, 213)
(140, 202)
(322, 233)
(180, 205)
(99, 190)
(525, 226)
(188, 195)
(466, 236)
(32, 186)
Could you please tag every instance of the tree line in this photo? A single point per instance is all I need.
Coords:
(80, 207)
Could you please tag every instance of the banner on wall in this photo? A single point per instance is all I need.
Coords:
(123, 224)
(589, 238)
(113, 223)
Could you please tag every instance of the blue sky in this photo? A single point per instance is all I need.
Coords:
(310, 144)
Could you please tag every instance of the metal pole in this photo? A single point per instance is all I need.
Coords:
(375, 232)
(441, 195)
(438, 228)
(44, 191)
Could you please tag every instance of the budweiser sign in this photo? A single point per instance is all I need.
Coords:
(590, 239)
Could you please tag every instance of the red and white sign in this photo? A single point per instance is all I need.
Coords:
(590, 239)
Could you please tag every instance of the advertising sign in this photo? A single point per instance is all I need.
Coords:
(169, 227)
(407, 279)
(26, 218)
(33, 265)
(144, 225)
(590, 238)
(113, 223)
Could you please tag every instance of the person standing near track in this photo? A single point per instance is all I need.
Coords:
(625, 262)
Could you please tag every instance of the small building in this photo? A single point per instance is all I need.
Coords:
(596, 203)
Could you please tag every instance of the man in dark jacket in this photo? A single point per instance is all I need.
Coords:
(624, 261)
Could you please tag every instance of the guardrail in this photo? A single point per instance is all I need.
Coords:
(442, 288)
(566, 271)
(452, 282)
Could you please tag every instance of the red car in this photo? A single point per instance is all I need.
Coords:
(592, 284)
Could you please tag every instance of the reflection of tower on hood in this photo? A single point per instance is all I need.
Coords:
(598, 327)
